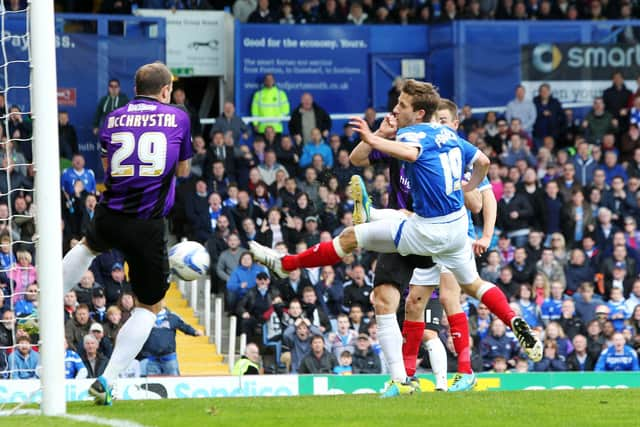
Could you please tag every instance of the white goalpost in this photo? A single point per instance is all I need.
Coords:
(44, 106)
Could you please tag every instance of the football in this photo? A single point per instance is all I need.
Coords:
(188, 260)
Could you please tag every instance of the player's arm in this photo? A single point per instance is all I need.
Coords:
(361, 155)
(473, 201)
(184, 168)
(105, 163)
(480, 168)
(489, 214)
(186, 148)
(406, 152)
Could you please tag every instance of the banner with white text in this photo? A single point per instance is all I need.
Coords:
(17, 391)
(331, 62)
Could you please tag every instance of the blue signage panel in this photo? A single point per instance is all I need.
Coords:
(331, 62)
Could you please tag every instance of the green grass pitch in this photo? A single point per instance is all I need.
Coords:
(517, 408)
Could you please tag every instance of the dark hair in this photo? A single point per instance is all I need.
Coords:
(356, 305)
(151, 78)
(114, 80)
(317, 337)
(82, 306)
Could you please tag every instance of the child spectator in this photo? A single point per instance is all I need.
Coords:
(530, 311)
(617, 309)
(344, 368)
(552, 307)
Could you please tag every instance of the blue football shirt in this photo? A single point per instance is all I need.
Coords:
(436, 176)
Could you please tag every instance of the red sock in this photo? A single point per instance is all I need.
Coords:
(460, 333)
(412, 333)
(497, 303)
(316, 256)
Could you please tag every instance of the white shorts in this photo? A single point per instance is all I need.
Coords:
(444, 238)
(429, 277)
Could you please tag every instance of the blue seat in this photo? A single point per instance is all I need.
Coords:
(277, 345)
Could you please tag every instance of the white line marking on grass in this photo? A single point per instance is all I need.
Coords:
(116, 422)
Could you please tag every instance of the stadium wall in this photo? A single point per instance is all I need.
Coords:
(17, 391)
(87, 56)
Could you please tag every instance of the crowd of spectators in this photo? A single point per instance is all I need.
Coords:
(359, 12)
(566, 251)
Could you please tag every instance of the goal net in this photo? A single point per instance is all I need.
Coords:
(32, 330)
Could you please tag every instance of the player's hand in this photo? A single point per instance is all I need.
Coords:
(246, 315)
(360, 125)
(406, 212)
(514, 215)
(243, 285)
(200, 333)
(389, 126)
(95, 131)
(481, 245)
(297, 139)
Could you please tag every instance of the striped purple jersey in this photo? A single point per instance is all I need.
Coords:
(400, 191)
(143, 143)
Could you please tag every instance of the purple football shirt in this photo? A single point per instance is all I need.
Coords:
(400, 188)
(143, 143)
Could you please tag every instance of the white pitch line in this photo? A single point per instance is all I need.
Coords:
(80, 417)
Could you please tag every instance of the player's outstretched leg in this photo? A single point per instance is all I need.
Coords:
(131, 339)
(531, 345)
(375, 236)
(74, 264)
(325, 253)
(495, 300)
(361, 201)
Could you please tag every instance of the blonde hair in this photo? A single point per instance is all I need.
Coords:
(113, 309)
(546, 286)
(450, 106)
(20, 255)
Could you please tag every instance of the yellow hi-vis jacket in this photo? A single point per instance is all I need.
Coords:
(269, 102)
(242, 365)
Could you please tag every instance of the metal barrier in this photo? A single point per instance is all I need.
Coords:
(233, 326)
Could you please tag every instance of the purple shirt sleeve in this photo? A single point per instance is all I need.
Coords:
(186, 149)
(376, 155)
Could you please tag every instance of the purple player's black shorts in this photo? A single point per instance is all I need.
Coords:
(395, 269)
(144, 245)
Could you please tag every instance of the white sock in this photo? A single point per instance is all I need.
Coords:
(438, 359)
(390, 338)
(338, 247)
(378, 214)
(74, 264)
(129, 342)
